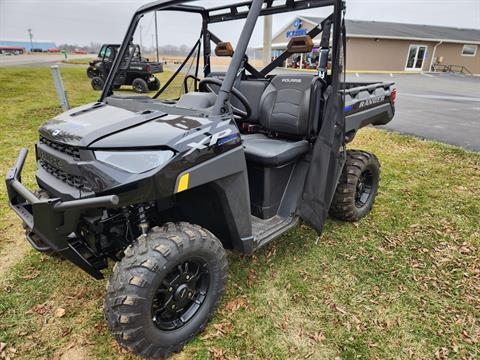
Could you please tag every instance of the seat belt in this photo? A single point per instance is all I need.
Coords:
(286, 54)
(324, 50)
(246, 65)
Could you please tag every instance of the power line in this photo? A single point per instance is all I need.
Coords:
(31, 39)
(156, 35)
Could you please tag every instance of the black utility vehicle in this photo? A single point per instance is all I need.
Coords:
(134, 69)
(163, 187)
(107, 53)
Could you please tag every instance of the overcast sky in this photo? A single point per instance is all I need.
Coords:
(84, 21)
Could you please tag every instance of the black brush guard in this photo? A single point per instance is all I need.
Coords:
(52, 220)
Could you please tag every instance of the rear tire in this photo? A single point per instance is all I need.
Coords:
(97, 83)
(140, 86)
(165, 289)
(357, 188)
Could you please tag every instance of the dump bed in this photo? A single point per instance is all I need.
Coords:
(368, 104)
(147, 66)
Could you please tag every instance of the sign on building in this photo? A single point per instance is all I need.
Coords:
(297, 25)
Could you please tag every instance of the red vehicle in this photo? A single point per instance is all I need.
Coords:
(80, 52)
(53, 50)
(15, 50)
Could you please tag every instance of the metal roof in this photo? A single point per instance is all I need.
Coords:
(44, 45)
(390, 30)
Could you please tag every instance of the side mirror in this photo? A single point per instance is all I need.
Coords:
(300, 44)
(224, 49)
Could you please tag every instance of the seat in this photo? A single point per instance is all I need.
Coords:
(284, 111)
(252, 89)
(266, 151)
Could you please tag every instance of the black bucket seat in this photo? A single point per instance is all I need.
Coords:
(284, 111)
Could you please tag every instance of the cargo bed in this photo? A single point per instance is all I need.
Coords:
(368, 104)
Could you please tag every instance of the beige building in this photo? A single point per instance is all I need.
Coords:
(381, 46)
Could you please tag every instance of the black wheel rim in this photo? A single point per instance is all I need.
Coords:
(97, 84)
(181, 295)
(364, 189)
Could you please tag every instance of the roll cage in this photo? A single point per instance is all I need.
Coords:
(251, 11)
(133, 53)
(102, 54)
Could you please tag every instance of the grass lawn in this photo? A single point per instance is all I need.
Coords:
(402, 283)
(84, 61)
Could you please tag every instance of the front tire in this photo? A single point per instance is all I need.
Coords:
(357, 188)
(97, 83)
(140, 86)
(165, 289)
(91, 72)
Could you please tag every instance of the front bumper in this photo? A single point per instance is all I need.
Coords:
(53, 221)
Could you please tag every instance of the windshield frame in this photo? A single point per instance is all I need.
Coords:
(230, 13)
(155, 6)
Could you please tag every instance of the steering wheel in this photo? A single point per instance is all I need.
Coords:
(185, 82)
(239, 113)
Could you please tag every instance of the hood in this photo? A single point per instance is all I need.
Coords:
(105, 126)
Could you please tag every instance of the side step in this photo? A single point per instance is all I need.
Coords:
(266, 230)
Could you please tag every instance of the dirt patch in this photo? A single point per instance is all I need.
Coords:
(13, 247)
(299, 333)
(76, 353)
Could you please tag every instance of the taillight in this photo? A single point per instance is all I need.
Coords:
(148, 68)
(393, 96)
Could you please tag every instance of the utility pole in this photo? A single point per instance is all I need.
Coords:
(156, 36)
(31, 39)
(141, 42)
(267, 40)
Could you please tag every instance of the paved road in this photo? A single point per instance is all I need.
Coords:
(35, 60)
(443, 107)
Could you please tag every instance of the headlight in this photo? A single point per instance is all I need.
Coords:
(135, 162)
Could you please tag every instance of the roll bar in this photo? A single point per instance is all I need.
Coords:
(250, 10)
(221, 105)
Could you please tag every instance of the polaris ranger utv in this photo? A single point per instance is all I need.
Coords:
(163, 187)
(107, 53)
(135, 70)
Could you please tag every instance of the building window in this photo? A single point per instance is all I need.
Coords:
(469, 50)
(416, 57)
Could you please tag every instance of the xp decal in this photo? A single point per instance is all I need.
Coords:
(212, 139)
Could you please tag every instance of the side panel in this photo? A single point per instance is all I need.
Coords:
(226, 175)
(220, 166)
(328, 158)
(379, 115)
